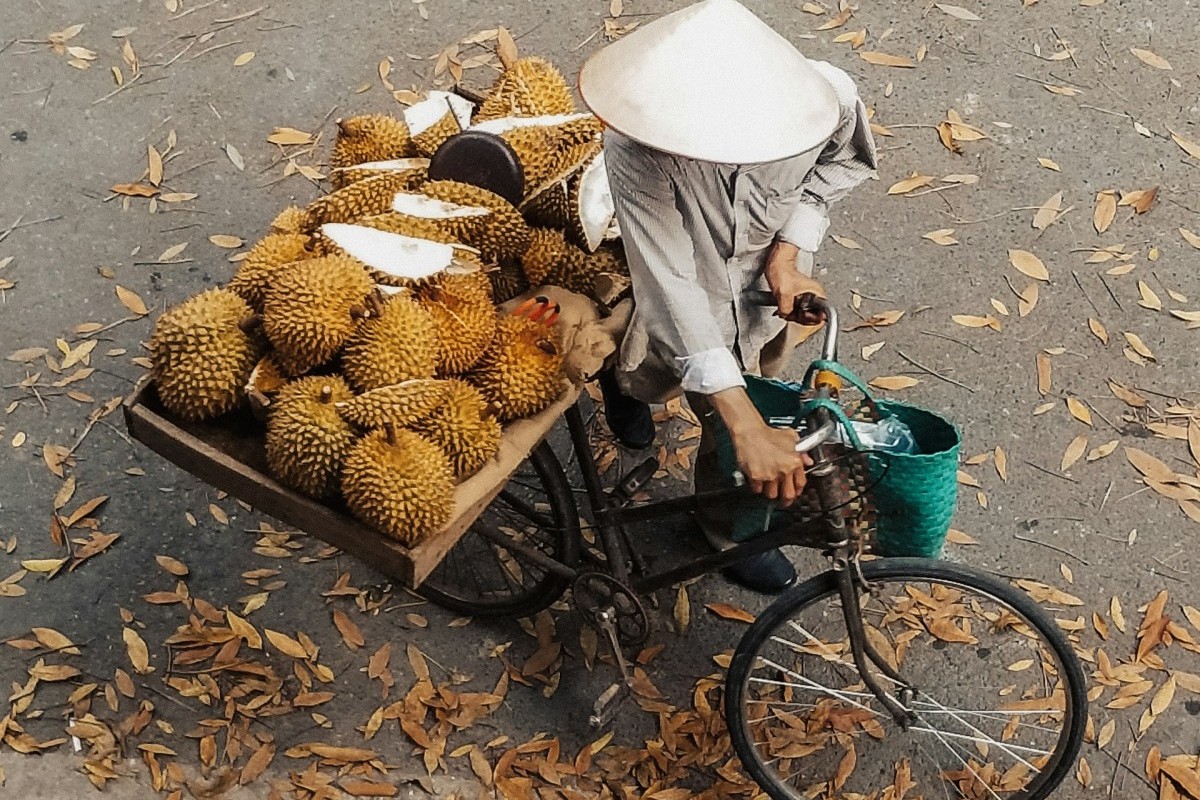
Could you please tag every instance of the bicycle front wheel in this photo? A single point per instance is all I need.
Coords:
(998, 697)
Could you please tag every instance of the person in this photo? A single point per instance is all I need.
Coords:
(724, 147)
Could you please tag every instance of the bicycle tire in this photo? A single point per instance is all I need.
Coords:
(782, 617)
(523, 588)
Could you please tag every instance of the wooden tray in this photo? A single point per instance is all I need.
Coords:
(228, 453)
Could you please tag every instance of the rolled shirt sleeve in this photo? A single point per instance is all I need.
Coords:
(662, 265)
(846, 161)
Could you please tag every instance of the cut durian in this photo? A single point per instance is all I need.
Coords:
(388, 222)
(548, 205)
(522, 369)
(464, 426)
(505, 234)
(291, 220)
(364, 198)
(394, 258)
(530, 87)
(369, 137)
(268, 256)
(416, 170)
(590, 205)
(399, 482)
(462, 309)
(312, 308)
(435, 119)
(264, 383)
(402, 404)
(397, 343)
(307, 439)
(540, 141)
(201, 355)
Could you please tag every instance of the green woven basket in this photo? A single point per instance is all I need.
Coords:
(914, 495)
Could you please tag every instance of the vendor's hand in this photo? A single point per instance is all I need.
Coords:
(787, 282)
(768, 459)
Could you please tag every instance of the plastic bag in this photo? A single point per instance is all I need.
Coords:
(889, 435)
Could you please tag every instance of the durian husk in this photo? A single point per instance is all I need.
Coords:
(435, 119)
(590, 208)
(370, 137)
(508, 280)
(551, 259)
(200, 355)
(307, 439)
(395, 259)
(549, 205)
(397, 344)
(402, 404)
(291, 220)
(416, 170)
(271, 254)
(400, 483)
(312, 308)
(522, 369)
(464, 426)
(462, 308)
(504, 237)
(365, 198)
(530, 87)
(388, 222)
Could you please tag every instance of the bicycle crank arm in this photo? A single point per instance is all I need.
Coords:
(607, 703)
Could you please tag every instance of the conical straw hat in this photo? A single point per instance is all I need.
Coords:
(711, 82)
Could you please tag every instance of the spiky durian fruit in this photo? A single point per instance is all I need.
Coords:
(530, 87)
(366, 198)
(290, 220)
(307, 439)
(521, 370)
(551, 259)
(370, 137)
(504, 237)
(402, 404)
(549, 205)
(268, 256)
(508, 280)
(394, 259)
(435, 119)
(312, 308)
(464, 426)
(201, 356)
(399, 482)
(398, 343)
(415, 170)
(462, 309)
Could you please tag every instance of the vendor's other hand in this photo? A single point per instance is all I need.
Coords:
(788, 283)
(768, 459)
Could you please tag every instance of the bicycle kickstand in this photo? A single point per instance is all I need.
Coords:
(606, 705)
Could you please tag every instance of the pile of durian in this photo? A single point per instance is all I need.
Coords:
(364, 328)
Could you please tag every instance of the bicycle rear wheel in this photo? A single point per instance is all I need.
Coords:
(483, 578)
(999, 695)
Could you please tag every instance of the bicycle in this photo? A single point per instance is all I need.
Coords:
(931, 677)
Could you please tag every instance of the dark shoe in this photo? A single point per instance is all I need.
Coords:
(768, 573)
(629, 419)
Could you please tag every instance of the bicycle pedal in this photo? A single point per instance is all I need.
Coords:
(636, 478)
(607, 704)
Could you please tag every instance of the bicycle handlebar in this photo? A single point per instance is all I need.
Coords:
(808, 303)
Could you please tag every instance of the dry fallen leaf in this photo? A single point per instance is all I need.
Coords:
(1048, 212)
(1078, 410)
(139, 655)
(1029, 264)
(910, 184)
(958, 12)
(243, 59)
(1074, 451)
(726, 611)
(351, 633)
(886, 59)
(1150, 59)
(1106, 210)
(894, 382)
(132, 301)
(1187, 145)
(173, 566)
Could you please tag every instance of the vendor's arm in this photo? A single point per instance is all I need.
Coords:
(677, 316)
(846, 161)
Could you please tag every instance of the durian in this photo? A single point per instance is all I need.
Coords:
(399, 482)
(464, 426)
(364, 198)
(435, 119)
(398, 343)
(577, 198)
(369, 137)
(312, 308)
(540, 141)
(415, 170)
(530, 87)
(394, 259)
(462, 309)
(548, 205)
(201, 355)
(402, 404)
(265, 381)
(508, 280)
(307, 439)
(291, 220)
(521, 370)
(551, 259)
(504, 237)
(268, 256)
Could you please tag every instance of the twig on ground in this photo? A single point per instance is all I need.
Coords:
(1058, 475)
(201, 7)
(1055, 548)
(1104, 502)
(107, 327)
(1108, 289)
(933, 372)
(19, 223)
(208, 50)
(1083, 291)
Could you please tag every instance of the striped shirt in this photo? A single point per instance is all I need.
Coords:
(697, 235)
